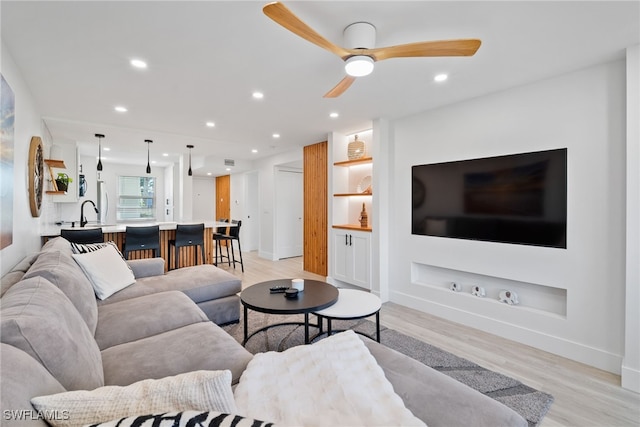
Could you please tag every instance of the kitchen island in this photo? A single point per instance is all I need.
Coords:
(116, 233)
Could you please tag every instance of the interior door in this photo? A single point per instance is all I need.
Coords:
(289, 207)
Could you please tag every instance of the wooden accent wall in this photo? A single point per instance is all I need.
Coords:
(223, 196)
(315, 208)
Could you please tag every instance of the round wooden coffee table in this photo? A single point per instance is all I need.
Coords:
(316, 296)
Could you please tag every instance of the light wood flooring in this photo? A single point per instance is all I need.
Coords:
(584, 396)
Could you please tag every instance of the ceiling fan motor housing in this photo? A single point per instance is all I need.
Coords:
(360, 35)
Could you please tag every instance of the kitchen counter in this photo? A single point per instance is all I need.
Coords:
(116, 233)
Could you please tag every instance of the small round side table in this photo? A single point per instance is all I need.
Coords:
(352, 304)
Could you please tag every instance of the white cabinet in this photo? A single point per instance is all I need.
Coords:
(352, 257)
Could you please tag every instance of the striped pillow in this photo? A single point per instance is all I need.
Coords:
(83, 248)
(186, 419)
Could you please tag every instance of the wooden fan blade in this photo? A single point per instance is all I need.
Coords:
(283, 16)
(340, 87)
(462, 47)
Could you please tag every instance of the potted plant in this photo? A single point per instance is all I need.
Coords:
(62, 181)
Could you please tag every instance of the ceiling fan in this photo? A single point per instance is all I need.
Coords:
(359, 58)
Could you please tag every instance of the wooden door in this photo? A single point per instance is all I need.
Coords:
(315, 208)
(223, 196)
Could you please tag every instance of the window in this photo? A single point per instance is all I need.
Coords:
(136, 198)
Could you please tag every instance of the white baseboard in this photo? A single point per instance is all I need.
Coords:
(630, 379)
(562, 347)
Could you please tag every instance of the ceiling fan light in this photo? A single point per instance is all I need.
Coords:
(359, 66)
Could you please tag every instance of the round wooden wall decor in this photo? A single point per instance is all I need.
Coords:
(36, 171)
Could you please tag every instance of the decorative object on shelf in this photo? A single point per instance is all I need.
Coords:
(148, 141)
(364, 217)
(36, 170)
(99, 136)
(364, 186)
(455, 287)
(508, 297)
(190, 173)
(82, 186)
(62, 181)
(478, 291)
(355, 149)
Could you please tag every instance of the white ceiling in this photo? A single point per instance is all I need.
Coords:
(207, 57)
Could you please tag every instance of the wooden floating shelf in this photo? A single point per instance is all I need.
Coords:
(361, 161)
(354, 227)
(55, 192)
(55, 163)
(352, 194)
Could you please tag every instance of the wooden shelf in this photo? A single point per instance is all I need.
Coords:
(55, 163)
(354, 227)
(55, 192)
(361, 161)
(352, 194)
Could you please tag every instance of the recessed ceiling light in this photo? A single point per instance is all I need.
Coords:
(210, 124)
(106, 148)
(276, 135)
(258, 95)
(334, 115)
(138, 63)
(254, 151)
(440, 77)
(209, 173)
(121, 109)
(153, 161)
(228, 169)
(165, 154)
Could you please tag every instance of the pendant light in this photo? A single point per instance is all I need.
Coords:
(190, 173)
(99, 136)
(148, 141)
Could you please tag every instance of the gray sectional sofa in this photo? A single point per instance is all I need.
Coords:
(56, 336)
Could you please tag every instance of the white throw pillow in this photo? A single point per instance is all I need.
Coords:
(106, 270)
(192, 391)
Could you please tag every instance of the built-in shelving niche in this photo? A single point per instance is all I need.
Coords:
(545, 299)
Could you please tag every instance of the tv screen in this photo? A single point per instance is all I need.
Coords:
(518, 198)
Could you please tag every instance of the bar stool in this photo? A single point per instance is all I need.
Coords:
(187, 235)
(234, 235)
(218, 236)
(83, 235)
(142, 239)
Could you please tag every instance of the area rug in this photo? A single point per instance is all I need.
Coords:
(528, 402)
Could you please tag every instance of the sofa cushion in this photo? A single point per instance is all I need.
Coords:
(40, 320)
(17, 272)
(145, 316)
(200, 283)
(190, 348)
(60, 269)
(107, 271)
(56, 244)
(22, 378)
(437, 399)
(199, 390)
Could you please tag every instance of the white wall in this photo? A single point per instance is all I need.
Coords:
(26, 237)
(580, 291)
(204, 199)
(266, 169)
(631, 362)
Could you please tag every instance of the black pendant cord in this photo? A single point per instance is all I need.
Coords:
(148, 141)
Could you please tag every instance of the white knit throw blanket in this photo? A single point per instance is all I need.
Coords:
(335, 382)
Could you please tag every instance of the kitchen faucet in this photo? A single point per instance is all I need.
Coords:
(83, 220)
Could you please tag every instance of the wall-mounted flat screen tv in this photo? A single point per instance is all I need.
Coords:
(517, 198)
